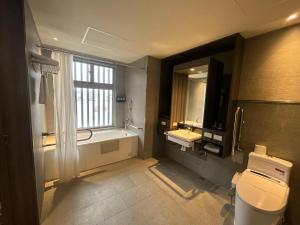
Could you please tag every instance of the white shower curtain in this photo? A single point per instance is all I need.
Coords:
(64, 108)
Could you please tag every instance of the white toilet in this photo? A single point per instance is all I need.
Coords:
(262, 191)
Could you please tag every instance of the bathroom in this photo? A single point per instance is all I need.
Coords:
(124, 113)
(115, 128)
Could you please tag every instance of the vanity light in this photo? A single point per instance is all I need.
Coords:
(292, 17)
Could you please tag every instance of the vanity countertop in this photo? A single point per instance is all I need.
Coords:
(185, 135)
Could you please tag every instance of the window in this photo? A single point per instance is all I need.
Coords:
(94, 87)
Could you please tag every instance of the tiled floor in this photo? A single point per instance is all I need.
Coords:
(138, 192)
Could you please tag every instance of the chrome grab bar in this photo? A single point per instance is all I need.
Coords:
(241, 122)
(135, 127)
(53, 133)
(237, 130)
(85, 139)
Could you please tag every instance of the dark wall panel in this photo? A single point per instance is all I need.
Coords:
(32, 40)
(222, 45)
(15, 112)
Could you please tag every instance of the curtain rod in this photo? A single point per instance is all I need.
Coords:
(83, 55)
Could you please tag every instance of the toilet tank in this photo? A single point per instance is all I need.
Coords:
(271, 166)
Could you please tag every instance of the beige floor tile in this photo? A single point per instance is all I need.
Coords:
(139, 178)
(123, 184)
(138, 192)
(158, 220)
(134, 195)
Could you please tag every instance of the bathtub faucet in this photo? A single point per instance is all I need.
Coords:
(127, 123)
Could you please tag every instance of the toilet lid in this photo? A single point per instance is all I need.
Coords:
(262, 192)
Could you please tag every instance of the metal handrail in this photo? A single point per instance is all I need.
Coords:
(134, 127)
(52, 133)
(85, 139)
(237, 130)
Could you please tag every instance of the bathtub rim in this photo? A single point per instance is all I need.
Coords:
(132, 134)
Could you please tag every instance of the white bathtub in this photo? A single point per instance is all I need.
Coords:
(105, 147)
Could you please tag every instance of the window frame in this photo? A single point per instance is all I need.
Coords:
(93, 85)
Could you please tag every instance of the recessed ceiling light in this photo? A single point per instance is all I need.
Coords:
(192, 69)
(292, 17)
(55, 39)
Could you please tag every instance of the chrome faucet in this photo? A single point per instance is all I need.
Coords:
(127, 123)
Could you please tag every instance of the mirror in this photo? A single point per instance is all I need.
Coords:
(193, 94)
(196, 96)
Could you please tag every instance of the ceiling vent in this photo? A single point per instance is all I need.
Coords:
(103, 40)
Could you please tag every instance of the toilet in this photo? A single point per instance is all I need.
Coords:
(262, 191)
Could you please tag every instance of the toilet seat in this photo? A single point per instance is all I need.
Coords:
(262, 192)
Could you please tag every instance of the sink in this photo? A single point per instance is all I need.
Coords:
(183, 137)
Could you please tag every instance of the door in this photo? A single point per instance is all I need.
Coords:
(18, 193)
(5, 213)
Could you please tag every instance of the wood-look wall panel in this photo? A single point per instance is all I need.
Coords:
(179, 95)
(271, 68)
(184, 87)
(271, 72)
(152, 100)
(277, 127)
(174, 101)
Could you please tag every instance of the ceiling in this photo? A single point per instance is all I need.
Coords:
(196, 72)
(125, 30)
(195, 69)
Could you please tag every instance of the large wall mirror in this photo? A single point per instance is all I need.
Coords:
(195, 94)
(189, 93)
(202, 100)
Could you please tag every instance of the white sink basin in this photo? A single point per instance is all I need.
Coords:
(185, 138)
(185, 135)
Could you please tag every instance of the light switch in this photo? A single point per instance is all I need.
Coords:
(207, 134)
(218, 137)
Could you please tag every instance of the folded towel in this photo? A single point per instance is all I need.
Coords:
(212, 148)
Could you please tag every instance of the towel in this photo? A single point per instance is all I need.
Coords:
(212, 148)
(43, 90)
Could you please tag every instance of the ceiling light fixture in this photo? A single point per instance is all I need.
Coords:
(192, 69)
(292, 17)
(55, 39)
